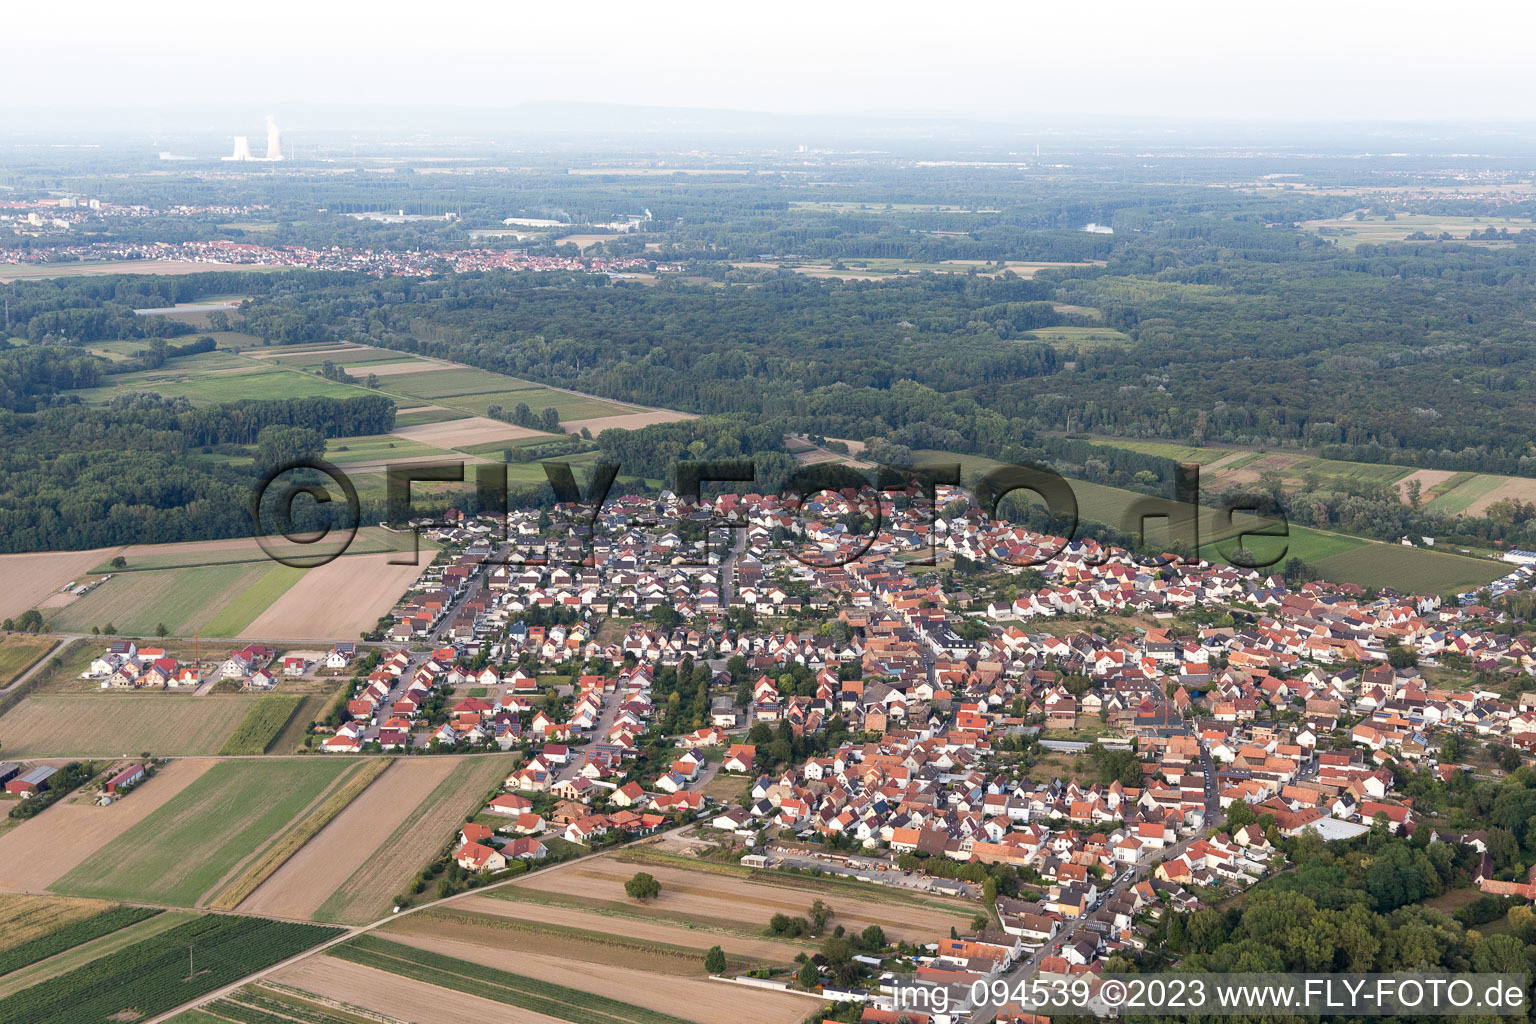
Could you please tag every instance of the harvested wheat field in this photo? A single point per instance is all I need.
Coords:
(32, 579)
(24, 918)
(1427, 478)
(772, 950)
(339, 600)
(464, 432)
(707, 1002)
(417, 834)
(1514, 488)
(41, 850)
(308, 878)
(731, 898)
(626, 421)
(398, 998)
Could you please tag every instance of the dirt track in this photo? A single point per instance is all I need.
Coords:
(40, 851)
(322, 865)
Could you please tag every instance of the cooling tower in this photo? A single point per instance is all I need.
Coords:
(274, 140)
(242, 149)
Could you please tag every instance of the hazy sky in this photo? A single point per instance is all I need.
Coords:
(1303, 59)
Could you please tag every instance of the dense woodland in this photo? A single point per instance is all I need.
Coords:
(1240, 325)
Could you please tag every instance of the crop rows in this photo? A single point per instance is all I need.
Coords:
(162, 972)
(251, 1006)
(501, 986)
(261, 724)
(277, 855)
(73, 935)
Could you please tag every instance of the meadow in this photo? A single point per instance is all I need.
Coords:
(19, 652)
(187, 848)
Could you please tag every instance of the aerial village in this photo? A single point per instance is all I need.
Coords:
(1130, 737)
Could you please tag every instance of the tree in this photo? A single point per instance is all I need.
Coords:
(643, 886)
(872, 938)
(807, 977)
(161, 630)
(714, 960)
(820, 915)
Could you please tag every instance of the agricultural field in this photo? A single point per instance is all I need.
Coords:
(310, 610)
(114, 724)
(40, 850)
(730, 901)
(1376, 229)
(567, 990)
(86, 952)
(211, 600)
(19, 652)
(346, 845)
(1338, 556)
(1409, 570)
(232, 588)
(68, 934)
(182, 378)
(595, 937)
(276, 855)
(33, 580)
(420, 832)
(1076, 337)
(261, 724)
(161, 972)
(187, 849)
(26, 919)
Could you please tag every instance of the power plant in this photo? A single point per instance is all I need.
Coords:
(242, 153)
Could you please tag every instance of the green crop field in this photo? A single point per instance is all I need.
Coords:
(162, 972)
(213, 600)
(185, 849)
(433, 384)
(1177, 452)
(1460, 497)
(1410, 570)
(343, 450)
(261, 724)
(114, 724)
(72, 935)
(416, 417)
(181, 379)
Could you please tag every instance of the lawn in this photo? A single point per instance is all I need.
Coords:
(213, 600)
(114, 724)
(186, 848)
(19, 652)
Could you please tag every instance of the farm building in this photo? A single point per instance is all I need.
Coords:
(8, 771)
(125, 779)
(31, 782)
